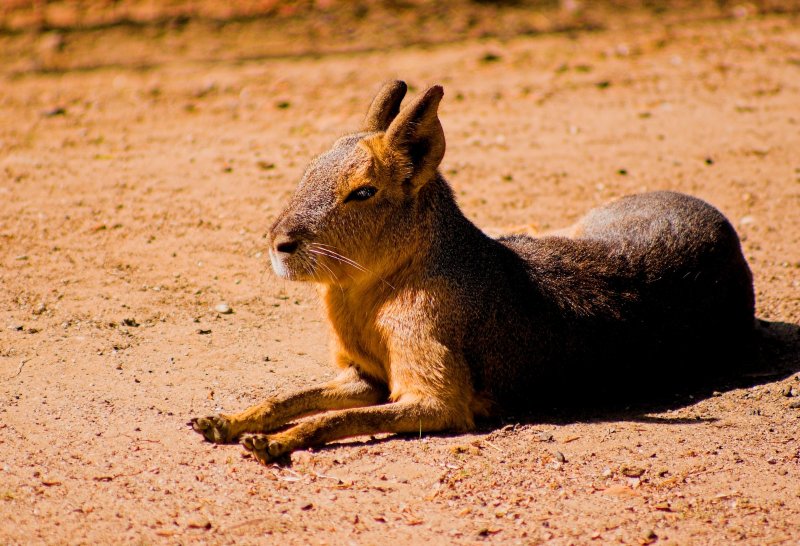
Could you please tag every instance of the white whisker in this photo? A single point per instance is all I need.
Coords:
(332, 252)
(329, 270)
(339, 257)
(318, 253)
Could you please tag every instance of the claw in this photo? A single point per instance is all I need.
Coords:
(214, 428)
(276, 449)
(259, 442)
(261, 447)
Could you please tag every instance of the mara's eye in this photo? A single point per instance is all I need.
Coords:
(361, 194)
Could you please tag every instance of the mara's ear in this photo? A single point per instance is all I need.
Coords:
(416, 135)
(385, 106)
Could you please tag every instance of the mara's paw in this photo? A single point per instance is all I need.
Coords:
(264, 448)
(214, 428)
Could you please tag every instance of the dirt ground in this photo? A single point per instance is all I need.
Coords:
(134, 199)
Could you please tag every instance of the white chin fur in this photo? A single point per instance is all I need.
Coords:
(278, 266)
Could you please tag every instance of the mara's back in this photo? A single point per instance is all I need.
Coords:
(652, 286)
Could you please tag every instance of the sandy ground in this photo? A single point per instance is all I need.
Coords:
(133, 200)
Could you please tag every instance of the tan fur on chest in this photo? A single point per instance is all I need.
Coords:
(357, 339)
(380, 331)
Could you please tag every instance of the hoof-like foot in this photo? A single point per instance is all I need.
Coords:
(264, 448)
(214, 428)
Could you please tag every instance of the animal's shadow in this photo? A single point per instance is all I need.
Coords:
(775, 356)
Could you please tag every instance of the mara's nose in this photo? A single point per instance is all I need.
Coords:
(285, 244)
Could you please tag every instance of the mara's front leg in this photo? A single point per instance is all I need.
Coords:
(412, 415)
(348, 390)
(431, 392)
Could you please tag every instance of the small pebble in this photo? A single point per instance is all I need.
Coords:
(545, 437)
(39, 309)
(560, 457)
(265, 165)
(223, 308)
(631, 471)
(198, 522)
(55, 111)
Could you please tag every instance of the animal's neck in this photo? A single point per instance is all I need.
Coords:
(448, 234)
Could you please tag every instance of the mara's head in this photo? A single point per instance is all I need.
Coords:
(354, 211)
